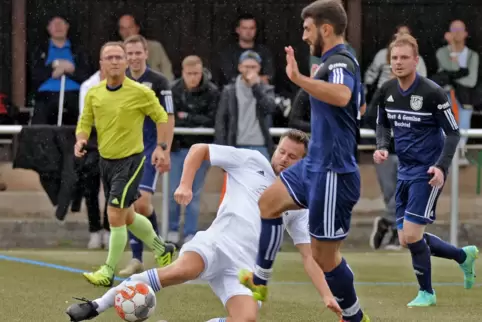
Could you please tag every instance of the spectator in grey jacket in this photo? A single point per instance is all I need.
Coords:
(458, 71)
(245, 108)
(380, 68)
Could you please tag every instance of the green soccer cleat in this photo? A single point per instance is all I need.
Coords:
(104, 276)
(166, 258)
(468, 267)
(365, 318)
(423, 299)
(260, 292)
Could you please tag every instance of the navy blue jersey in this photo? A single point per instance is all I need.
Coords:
(334, 129)
(418, 118)
(160, 85)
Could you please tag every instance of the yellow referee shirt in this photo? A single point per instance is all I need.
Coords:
(118, 115)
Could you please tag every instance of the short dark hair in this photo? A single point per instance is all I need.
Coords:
(330, 12)
(297, 136)
(245, 16)
(136, 39)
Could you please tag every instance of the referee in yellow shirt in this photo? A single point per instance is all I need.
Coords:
(118, 107)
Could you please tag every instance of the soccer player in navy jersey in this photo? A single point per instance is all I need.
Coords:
(136, 50)
(327, 180)
(418, 112)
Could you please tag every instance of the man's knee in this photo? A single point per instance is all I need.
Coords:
(143, 205)
(242, 308)
(117, 216)
(275, 200)
(326, 254)
(412, 232)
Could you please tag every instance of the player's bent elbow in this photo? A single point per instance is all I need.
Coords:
(201, 148)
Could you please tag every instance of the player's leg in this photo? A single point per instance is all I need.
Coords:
(421, 211)
(286, 193)
(189, 266)
(115, 176)
(236, 298)
(143, 206)
(332, 198)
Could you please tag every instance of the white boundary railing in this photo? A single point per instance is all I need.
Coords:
(365, 133)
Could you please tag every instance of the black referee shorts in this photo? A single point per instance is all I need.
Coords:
(121, 178)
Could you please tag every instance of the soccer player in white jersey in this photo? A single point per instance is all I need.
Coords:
(230, 244)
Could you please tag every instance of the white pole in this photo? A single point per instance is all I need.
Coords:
(165, 205)
(61, 100)
(454, 200)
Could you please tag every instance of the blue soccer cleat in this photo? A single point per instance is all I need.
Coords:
(468, 267)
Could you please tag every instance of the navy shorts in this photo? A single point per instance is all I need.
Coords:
(416, 201)
(329, 196)
(149, 178)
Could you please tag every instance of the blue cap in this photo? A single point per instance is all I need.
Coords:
(250, 54)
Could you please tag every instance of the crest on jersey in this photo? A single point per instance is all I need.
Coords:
(148, 84)
(416, 102)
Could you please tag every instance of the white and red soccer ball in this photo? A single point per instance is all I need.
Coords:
(135, 301)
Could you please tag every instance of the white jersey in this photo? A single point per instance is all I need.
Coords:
(231, 242)
(237, 225)
(296, 223)
(84, 88)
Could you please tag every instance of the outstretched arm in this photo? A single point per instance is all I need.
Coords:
(314, 271)
(318, 278)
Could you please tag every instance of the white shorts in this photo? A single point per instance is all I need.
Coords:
(221, 270)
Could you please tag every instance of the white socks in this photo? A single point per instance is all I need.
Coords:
(149, 277)
(218, 320)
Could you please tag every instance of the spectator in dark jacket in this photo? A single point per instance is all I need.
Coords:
(300, 112)
(229, 58)
(196, 99)
(245, 109)
(48, 63)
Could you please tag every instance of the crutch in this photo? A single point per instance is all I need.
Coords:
(61, 100)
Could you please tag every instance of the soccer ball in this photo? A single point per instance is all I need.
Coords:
(135, 301)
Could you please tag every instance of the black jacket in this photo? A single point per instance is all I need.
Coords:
(300, 114)
(50, 153)
(226, 127)
(200, 106)
(39, 72)
(370, 118)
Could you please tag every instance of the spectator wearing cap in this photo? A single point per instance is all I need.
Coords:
(245, 108)
(246, 29)
(49, 62)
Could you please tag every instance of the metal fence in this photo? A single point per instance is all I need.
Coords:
(365, 133)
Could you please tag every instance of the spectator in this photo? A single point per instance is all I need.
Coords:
(196, 99)
(49, 62)
(229, 58)
(88, 184)
(301, 112)
(244, 114)
(387, 174)
(380, 71)
(157, 56)
(458, 68)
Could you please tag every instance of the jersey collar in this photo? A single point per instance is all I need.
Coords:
(140, 79)
(333, 50)
(411, 88)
